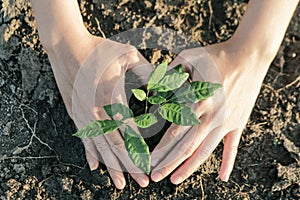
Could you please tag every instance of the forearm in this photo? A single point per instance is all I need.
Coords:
(63, 35)
(58, 20)
(263, 26)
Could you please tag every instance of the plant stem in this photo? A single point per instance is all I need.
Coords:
(155, 111)
(146, 108)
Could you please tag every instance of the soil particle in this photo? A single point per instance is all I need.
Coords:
(19, 168)
(40, 160)
(289, 175)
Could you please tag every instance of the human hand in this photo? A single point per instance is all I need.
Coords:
(97, 81)
(222, 116)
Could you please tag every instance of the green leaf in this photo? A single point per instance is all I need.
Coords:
(98, 128)
(195, 92)
(177, 69)
(170, 82)
(156, 100)
(178, 114)
(165, 95)
(113, 109)
(157, 74)
(145, 120)
(139, 94)
(137, 149)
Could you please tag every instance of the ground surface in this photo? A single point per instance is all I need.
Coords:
(40, 160)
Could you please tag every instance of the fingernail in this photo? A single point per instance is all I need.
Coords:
(176, 179)
(154, 162)
(156, 176)
(92, 165)
(119, 183)
(224, 177)
(143, 182)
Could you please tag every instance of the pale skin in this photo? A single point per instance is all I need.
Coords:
(77, 59)
(241, 62)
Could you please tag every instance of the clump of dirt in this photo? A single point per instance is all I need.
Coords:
(40, 160)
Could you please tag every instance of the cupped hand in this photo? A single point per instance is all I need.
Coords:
(183, 149)
(93, 76)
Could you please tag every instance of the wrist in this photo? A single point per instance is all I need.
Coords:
(235, 63)
(263, 27)
(59, 21)
(68, 56)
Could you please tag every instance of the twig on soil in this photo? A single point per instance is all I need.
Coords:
(275, 92)
(252, 165)
(70, 164)
(99, 28)
(202, 190)
(211, 15)
(241, 192)
(130, 185)
(272, 89)
(26, 157)
(291, 148)
(290, 84)
(41, 182)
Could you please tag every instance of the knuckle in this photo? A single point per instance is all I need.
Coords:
(174, 133)
(101, 146)
(165, 170)
(186, 174)
(189, 149)
(203, 152)
(86, 141)
(131, 51)
(118, 145)
(133, 170)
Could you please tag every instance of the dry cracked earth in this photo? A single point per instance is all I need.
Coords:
(39, 159)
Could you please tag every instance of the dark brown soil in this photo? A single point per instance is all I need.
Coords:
(39, 159)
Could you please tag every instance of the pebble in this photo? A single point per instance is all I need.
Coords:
(19, 168)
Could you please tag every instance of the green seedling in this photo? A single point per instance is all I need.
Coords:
(172, 92)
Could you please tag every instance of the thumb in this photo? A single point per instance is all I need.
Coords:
(181, 60)
(140, 66)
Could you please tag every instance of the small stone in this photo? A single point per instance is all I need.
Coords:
(26, 187)
(12, 88)
(148, 4)
(19, 168)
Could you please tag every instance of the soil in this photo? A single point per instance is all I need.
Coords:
(39, 159)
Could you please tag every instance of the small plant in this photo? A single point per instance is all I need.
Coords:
(172, 91)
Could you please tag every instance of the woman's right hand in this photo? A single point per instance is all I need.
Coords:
(93, 80)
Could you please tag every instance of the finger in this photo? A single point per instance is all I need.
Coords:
(180, 60)
(92, 159)
(175, 134)
(183, 150)
(140, 66)
(168, 141)
(111, 161)
(198, 157)
(116, 94)
(118, 147)
(231, 142)
(91, 153)
(198, 63)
